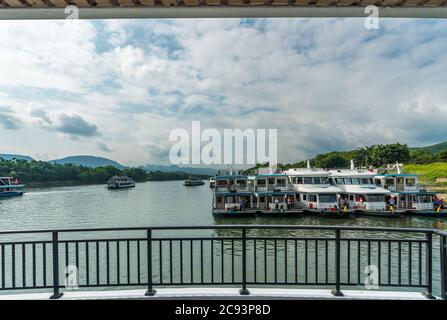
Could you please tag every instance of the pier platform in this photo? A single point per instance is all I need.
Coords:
(224, 293)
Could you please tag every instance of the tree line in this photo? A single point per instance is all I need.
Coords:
(42, 171)
(375, 155)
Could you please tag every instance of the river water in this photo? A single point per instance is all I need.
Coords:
(158, 204)
(150, 204)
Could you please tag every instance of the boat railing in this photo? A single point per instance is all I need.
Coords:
(341, 257)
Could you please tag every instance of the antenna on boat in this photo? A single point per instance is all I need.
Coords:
(398, 167)
(308, 164)
(352, 164)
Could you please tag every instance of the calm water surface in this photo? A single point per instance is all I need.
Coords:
(149, 204)
(160, 204)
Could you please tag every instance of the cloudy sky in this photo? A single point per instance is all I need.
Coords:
(117, 88)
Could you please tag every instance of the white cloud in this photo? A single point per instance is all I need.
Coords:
(325, 84)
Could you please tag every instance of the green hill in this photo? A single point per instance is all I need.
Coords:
(434, 149)
(428, 172)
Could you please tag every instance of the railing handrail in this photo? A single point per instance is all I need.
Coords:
(230, 226)
(338, 239)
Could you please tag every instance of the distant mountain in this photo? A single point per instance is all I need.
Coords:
(8, 156)
(88, 161)
(175, 168)
(436, 148)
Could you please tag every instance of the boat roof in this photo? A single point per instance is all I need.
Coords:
(233, 193)
(364, 189)
(266, 175)
(397, 175)
(418, 192)
(231, 177)
(310, 188)
(351, 173)
(306, 172)
(275, 193)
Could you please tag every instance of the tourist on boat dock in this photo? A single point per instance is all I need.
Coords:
(391, 203)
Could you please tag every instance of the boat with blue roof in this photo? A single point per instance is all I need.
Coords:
(264, 193)
(408, 195)
(11, 187)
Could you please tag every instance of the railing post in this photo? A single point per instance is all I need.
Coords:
(55, 245)
(244, 290)
(337, 292)
(150, 290)
(443, 253)
(429, 263)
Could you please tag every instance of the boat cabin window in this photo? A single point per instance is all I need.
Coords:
(271, 180)
(220, 183)
(351, 197)
(241, 182)
(355, 181)
(389, 182)
(317, 180)
(297, 180)
(313, 198)
(425, 199)
(411, 182)
(366, 181)
(304, 197)
(375, 198)
(324, 180)
(261, 182)
(339, 181)
(281, 182)
(327, 198)
(307, 180)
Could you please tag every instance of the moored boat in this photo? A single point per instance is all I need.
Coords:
(315, 192)
(407, 195)
(359, 192)
(11, 187)
(120, 182)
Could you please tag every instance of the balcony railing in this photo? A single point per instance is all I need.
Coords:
(224, 255)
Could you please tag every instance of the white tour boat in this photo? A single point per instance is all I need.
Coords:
(316, 193)
(407, 194)
(360, 193)
(232, 193)
(120, 182)
(10, 187)
(274, 193)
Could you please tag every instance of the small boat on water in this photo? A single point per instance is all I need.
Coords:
(192, 182)
(10, 187)
(120, 182)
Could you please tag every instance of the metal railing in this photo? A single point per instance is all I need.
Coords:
(225, 255)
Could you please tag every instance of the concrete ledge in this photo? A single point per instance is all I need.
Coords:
(223, 293)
